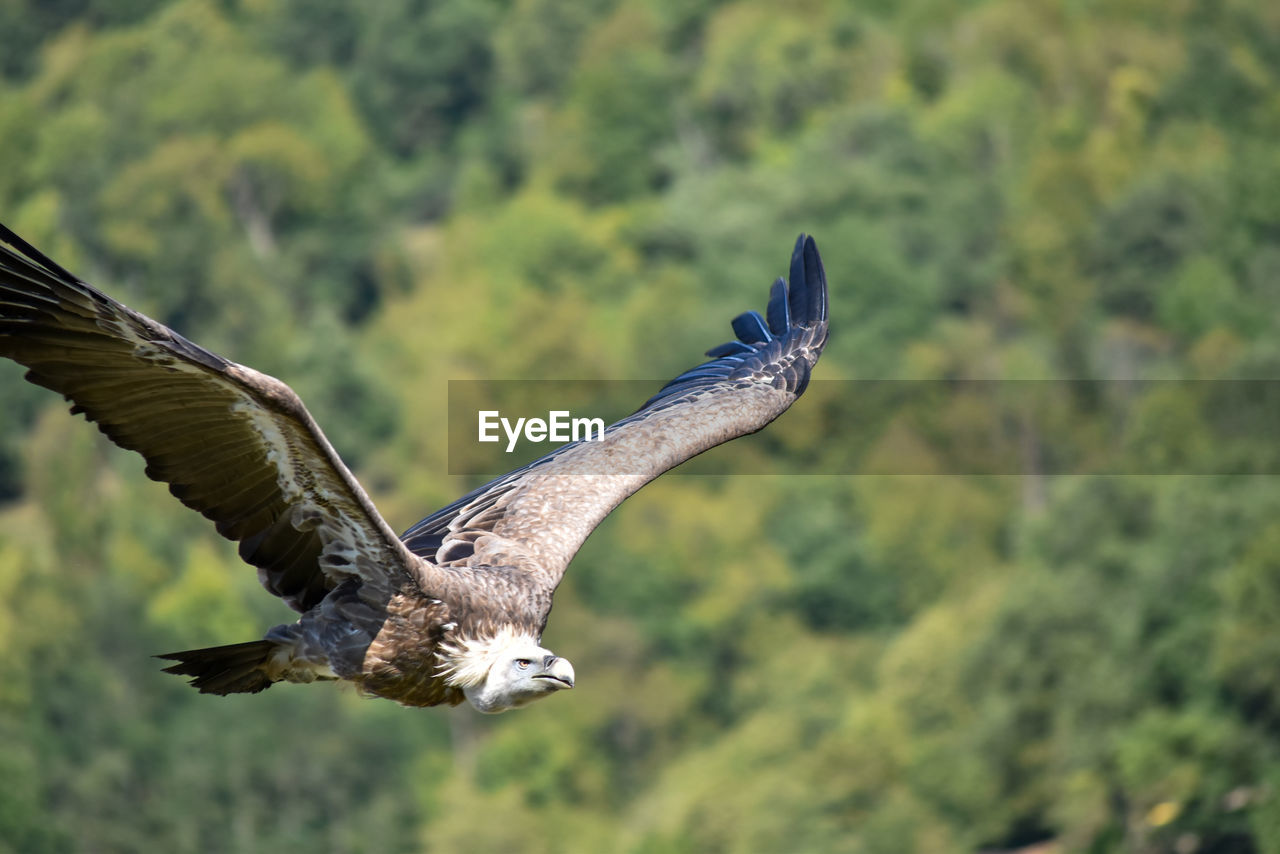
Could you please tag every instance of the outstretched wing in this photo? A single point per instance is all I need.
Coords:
(537, 517)
(235, 444)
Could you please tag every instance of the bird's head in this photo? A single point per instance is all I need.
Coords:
(506, 672)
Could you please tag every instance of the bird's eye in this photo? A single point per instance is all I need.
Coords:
(523, 663)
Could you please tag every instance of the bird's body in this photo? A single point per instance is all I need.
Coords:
(455, 608)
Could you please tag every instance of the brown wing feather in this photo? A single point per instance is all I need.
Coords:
(234, 444)
(537, 518)
(549, 514)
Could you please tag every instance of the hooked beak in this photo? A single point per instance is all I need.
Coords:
(560, 671)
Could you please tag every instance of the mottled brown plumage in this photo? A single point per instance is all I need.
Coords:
(456, 607)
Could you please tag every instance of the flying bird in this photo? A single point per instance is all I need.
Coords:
(455, 607)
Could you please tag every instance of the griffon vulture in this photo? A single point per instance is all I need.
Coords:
(455, 607)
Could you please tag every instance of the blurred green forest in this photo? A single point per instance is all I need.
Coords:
(368, 200)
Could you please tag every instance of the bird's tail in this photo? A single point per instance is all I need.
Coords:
(238, 668)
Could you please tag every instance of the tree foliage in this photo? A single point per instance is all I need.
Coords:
(371, 201)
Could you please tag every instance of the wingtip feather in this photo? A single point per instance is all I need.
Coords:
(807, 291)
(778, 311)
(816, 281)
(750, 328)
(34, 255)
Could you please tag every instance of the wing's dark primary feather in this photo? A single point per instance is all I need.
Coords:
(750, 329)
(232, 443)
(538, 516)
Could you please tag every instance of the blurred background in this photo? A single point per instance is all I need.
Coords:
(369, 200)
